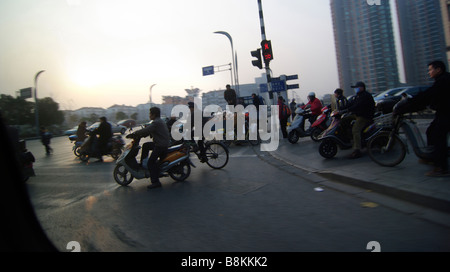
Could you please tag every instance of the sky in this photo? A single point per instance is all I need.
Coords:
(97, 53)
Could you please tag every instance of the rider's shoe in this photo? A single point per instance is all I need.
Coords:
(154, 185)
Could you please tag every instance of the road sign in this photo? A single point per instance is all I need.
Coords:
(263, 88)
(293, 86)
(292, 77)
(209, 70)
(278, 85)
(26, 93)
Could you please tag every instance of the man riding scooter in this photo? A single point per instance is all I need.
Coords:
(362, 108)
(161, 140)
(315, 105)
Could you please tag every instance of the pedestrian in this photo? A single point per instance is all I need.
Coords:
(230, 96)
(81, 132)
(105, 133)
(293, 106)
(362, 108)
(161, 140)
(437, 97)
(283, 114)
(45, 139)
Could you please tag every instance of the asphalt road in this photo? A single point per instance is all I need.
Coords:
(249, 206)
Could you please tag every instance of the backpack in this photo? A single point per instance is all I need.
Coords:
(285, 111)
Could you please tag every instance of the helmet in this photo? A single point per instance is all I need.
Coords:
(312, 94)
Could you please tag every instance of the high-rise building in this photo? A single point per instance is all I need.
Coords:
(445, 8)
(422, 36)
(365, 44)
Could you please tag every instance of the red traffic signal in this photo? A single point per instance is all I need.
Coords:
(267, 51)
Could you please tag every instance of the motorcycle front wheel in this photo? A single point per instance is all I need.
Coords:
(315, 133)
(181, 171)
(122, 176)
(384, 156)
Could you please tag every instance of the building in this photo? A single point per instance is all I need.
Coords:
(445, 8)
(422, 35)
(365, 44)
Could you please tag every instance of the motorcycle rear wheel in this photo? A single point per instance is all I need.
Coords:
(328, 149)
(181, 171)
(122, 176)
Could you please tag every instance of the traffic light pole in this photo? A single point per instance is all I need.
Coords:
(266, 63)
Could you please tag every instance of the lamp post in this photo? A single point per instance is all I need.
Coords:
(151, 87)
(233, 58)
(36, 110)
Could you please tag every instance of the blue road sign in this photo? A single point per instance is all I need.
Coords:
(263, 88)
(278, 85)
(209, 70)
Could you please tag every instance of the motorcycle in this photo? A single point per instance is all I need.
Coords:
(335, 136)
(297, 128)
(177, 164)
(76, 146)
(89, 148)
(322, 123)
(26, 160)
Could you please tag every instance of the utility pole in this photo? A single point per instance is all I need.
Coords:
(266, 63)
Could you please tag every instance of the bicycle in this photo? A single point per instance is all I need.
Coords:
(389, 149)
(216, 153)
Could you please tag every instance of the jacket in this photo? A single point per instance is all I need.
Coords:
(363, 105)
(158, 131)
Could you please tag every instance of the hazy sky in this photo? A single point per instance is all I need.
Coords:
(105, 52)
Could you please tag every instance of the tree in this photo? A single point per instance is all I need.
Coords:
(17, 111)
(49, 113)
(121, 115)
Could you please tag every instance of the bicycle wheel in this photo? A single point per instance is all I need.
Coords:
(379, 153)
(217, 154)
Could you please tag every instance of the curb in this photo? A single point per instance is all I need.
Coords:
(404, 195)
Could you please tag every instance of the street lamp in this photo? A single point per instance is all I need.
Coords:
(233, 58)
(151, 87)
(36, 111)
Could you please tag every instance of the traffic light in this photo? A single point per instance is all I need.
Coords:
(267, 51)
(257, 55)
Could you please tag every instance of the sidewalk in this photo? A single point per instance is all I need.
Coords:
(406, 181)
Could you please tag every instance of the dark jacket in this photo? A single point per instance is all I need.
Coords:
(341, 102)
(437, 97)
(104, 130)
(362, 105)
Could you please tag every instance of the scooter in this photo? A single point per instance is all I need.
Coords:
(89, 148)
(335, 136)
(76, 146)
(177, 164)
(322, 123)
(297, 128)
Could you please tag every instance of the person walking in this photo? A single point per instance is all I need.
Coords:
(45, 139)
(293, 106)
(283, 114)
(437, 97)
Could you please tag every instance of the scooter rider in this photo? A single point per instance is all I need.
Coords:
(362, 108)
(161, 140)
(315, 105)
